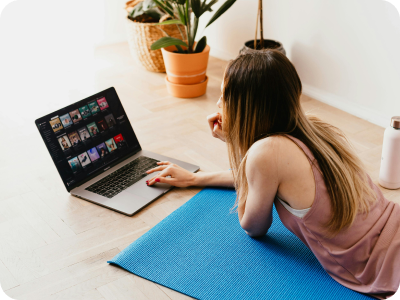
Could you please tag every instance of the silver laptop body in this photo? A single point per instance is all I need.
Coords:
(136, 196)
(93, 138)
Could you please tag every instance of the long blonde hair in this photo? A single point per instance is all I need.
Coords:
(261, 96)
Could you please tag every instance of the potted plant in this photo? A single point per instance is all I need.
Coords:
(261, 44)
(142, 15)
(185, 60)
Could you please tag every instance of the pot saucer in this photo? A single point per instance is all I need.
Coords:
(186, 90)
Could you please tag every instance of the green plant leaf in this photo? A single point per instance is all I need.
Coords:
(181, 14)
(164, 8)
(155, 13)
(147, 7)
(168, 4)
(220, 11)
(180, 50)
(187, 18)
(196, 7)
(137, 10)
(207, 7)
(193, 31)
(169, 22)
(186, 12)
(148, 4)
(167, 41)
(201, 44)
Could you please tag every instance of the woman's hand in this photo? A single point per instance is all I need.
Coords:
(179, 176)
(215, 123)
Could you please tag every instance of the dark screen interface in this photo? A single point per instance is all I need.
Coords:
(87, 136)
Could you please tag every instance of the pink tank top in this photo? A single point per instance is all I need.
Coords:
(366, 256)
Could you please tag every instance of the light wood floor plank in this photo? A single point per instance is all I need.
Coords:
(17, 242)
(91, 242)
(148, 288)
(37, 223)
(125, 289)
(65, 278)
(35, 204)
(7, 280)
(86, 289)
(174, 295)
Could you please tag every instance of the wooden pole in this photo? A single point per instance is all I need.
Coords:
(261, 24)
(258, 15)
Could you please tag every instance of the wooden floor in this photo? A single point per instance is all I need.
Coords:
(55, 246)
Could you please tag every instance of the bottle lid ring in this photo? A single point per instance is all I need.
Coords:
(395, 122)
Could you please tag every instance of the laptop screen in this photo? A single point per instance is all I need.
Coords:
(88, 137)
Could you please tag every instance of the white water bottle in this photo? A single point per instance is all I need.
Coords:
(389, 174)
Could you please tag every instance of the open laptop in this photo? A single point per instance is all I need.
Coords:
(98, 156)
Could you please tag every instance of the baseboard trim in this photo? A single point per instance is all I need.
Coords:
(357, 110)
(221, 54)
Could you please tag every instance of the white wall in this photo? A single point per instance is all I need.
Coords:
(347, 52)
(47, 52)
(112, 21)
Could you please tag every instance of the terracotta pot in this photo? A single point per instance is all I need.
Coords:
(185, 68)
(186, 90)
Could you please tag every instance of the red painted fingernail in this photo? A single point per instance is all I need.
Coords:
(157, 179)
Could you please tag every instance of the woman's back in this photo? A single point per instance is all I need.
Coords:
(298, 188)
(362, 257)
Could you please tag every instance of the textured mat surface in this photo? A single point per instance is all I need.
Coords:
(200, 250)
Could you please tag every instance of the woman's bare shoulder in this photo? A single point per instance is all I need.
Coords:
(272, 144)
(265, 152)
(278, 149)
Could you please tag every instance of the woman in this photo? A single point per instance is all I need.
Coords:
(307, 168)
(64, 144)
(93, 130)
(103, 152)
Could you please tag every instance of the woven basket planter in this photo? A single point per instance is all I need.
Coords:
(140, 38)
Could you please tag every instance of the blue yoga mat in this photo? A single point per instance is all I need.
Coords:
(200, 250)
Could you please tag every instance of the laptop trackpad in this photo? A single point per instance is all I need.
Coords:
(149, 192)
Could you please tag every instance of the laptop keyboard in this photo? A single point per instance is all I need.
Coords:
(123, 178)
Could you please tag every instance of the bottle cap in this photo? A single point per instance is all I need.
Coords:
(395, 122)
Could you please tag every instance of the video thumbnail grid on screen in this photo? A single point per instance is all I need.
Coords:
(74, 139)
(74, 117)
(94, 154)
(86, 137)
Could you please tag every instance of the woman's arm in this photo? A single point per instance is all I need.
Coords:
(222, 178)
(177, 176)
(255, 212)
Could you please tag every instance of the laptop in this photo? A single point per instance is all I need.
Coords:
(98, 155)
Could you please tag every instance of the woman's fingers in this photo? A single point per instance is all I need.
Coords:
(173, 175)
(212, 118)
(214, 121)
(163, 173)
(164, 180)
(160, 168)
(217, 131)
